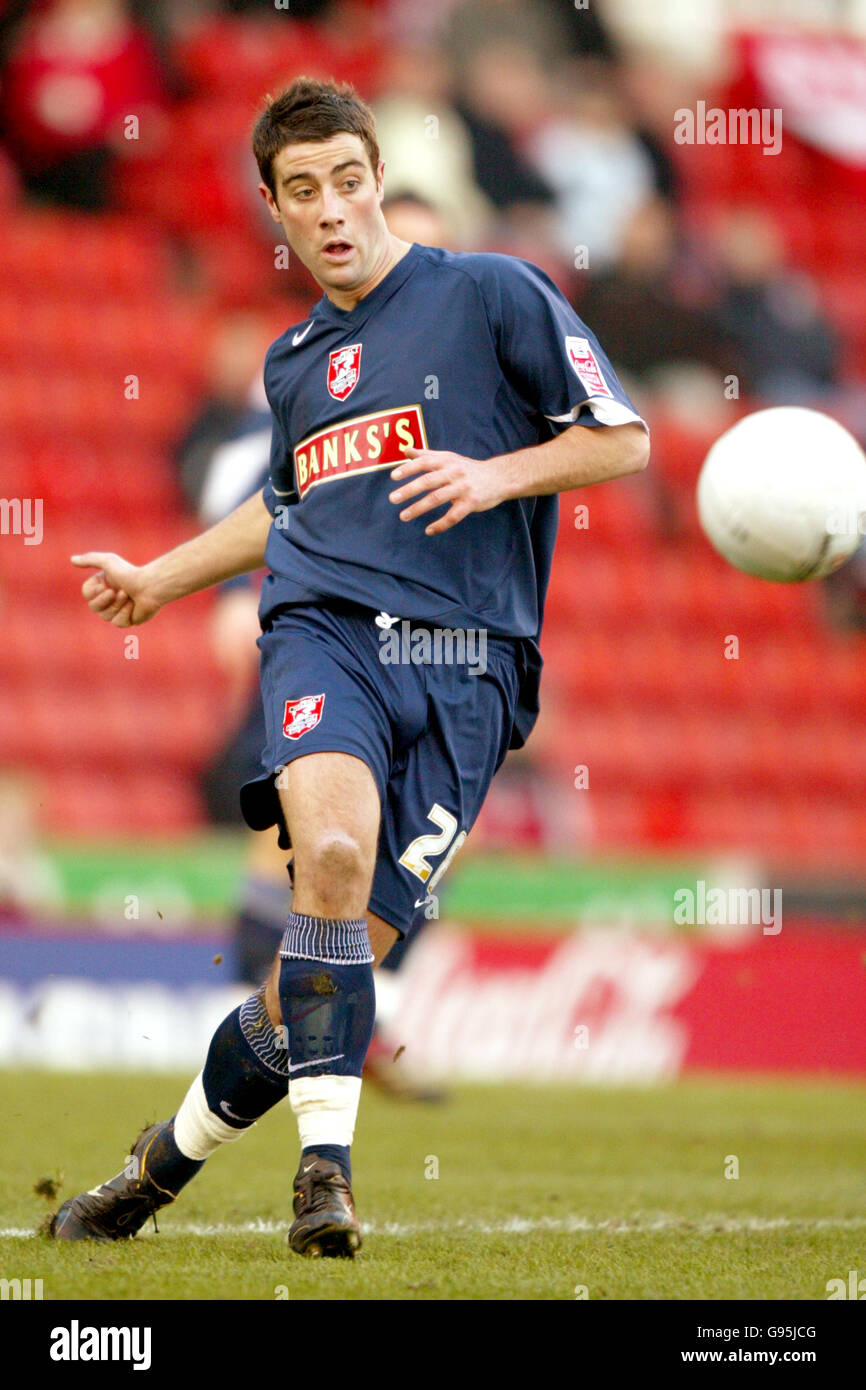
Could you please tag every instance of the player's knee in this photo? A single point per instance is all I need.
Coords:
(336, 867)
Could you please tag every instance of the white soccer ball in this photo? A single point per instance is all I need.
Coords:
(782, 494)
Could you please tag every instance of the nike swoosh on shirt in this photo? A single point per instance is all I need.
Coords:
(316, 1061)
(298, 338)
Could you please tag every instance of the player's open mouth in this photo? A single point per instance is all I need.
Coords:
(337, 250)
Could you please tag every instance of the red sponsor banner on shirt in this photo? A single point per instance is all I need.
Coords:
(360, 445)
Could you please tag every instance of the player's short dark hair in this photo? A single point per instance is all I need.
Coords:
(311, 110)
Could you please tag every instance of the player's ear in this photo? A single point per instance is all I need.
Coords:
(270, 200)
(380, 179)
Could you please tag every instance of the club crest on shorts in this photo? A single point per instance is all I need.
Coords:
(302, 715)
(344, 368)
(586, 368)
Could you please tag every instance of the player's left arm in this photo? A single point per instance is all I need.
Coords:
(578, 456)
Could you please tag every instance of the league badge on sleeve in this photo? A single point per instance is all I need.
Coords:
(344, 368)
(586, 368)
(302, 715)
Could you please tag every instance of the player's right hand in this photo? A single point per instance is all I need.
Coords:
(118, 591)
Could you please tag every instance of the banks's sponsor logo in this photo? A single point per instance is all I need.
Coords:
(359, 445)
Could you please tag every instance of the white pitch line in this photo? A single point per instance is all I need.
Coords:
(518, 1226)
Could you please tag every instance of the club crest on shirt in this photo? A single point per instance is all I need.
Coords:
(344, 368)
(302, 715)
(586, 368)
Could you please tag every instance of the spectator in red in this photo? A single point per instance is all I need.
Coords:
(81, 82)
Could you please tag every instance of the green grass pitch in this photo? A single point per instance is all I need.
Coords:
(542, 1192)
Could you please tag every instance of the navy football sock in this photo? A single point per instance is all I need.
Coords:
(340, 1154)
(245, 1075)
(328, 1006)
(327, 996)
(166, 1165)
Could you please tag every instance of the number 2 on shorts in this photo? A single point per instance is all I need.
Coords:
(414, 856)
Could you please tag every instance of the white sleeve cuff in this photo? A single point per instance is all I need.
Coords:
(606, 412)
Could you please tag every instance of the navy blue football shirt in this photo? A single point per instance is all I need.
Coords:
(479, 354)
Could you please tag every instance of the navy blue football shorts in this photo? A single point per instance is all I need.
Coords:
(432, 732)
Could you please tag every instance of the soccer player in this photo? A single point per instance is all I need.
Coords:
(425, 415)
(239, 468)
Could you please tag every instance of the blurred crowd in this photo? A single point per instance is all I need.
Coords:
(542, 136)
